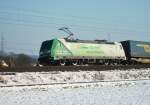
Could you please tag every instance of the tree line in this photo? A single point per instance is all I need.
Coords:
(18, 60)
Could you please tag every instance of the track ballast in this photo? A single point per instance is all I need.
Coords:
(73, 68)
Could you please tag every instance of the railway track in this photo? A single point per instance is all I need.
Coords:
(75, 83)
(73, 68)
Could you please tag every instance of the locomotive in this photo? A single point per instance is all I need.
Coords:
(66, 51)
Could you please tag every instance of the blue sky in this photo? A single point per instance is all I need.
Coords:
(26, 23)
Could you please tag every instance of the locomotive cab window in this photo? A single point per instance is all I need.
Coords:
(46, 45)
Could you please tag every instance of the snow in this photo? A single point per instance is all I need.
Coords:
(130, 87)
(82, 76)
(101, 93)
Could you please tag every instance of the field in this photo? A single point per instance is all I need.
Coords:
(130, 87)
(103, 93)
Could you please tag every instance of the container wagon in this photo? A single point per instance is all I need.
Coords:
(137, 51)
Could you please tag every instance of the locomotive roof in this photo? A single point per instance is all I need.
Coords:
(88, 41)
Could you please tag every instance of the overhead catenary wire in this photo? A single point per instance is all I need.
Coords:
(43, 24)
(55, 17)
(14, 48)
(76, 25)
(65, 16)
(22, 50)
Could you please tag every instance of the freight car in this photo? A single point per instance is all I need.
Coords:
(136, 51)
(72, 52)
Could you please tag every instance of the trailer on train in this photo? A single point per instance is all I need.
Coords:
(137, 51)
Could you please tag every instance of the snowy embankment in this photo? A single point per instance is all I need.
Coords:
(100, 92)
(82, 76)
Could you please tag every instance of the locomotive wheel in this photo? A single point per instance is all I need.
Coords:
(75, 63)
(115, 63)
(106, 63)
(62, 63)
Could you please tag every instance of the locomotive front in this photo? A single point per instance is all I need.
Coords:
(45, 52)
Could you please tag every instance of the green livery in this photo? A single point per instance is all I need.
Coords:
(73, 50)
(58, 49)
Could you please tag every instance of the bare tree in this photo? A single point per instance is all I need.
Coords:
(23, 60)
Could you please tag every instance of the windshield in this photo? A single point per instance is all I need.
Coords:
(46, 45)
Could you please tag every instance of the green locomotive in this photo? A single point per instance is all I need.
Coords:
(72, 52)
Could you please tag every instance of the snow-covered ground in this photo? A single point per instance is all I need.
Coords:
(102, 93)
(131, 87)
(82, 76)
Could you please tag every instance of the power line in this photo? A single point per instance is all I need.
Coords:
(20, 49)
(66, 16)
(24, 43)
(32, 24)
(85, 28)
(48, 17)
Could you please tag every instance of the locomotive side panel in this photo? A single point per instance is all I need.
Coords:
(59, 51)
(97, 51)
